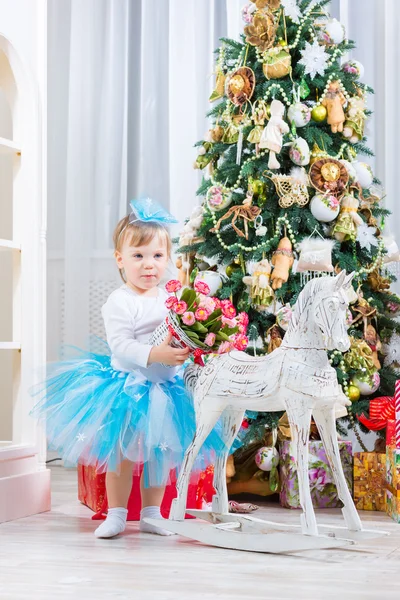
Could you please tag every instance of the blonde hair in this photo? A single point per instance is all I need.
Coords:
(139, 233)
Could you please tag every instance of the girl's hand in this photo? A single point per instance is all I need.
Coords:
(164, 353)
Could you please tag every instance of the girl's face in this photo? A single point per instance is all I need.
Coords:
(144, 266)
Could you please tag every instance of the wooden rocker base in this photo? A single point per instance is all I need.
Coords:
(251, 524)
(231, 535)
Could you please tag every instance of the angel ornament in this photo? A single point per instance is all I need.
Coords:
(260, 290)
(272, 136)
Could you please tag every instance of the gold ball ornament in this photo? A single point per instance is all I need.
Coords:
(353, 393)
(232, 268)
(236, 84)
(319, 113)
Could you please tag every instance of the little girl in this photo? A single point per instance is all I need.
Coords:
(129, 409)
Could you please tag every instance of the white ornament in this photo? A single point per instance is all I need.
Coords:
(291, 10)
(283, 316)
(350, 169)
(324, 208)
(218, 197)
(366, 236)
(261, 231)
(267, 458)
(272, 135)
(212, 279)
(314, 59)
(364, 174)
(368, 386)
(300, 114)
(299, 152)
(354, 67)
(392, 351)
(315, 255)
(333, 32)
(393, 252)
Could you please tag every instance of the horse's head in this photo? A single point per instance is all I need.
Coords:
(330, 315)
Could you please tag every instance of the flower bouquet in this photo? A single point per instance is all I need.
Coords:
(203, 323)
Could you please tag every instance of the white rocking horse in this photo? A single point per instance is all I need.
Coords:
(297, 378)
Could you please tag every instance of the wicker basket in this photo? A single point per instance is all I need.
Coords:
(162, 331)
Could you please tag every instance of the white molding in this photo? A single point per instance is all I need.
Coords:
(9, 146)
(9, 245)
(10, 345)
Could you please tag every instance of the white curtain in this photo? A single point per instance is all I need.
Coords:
(128, 89)
(129, 82)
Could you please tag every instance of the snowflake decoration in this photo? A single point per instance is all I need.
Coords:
(137, 397)
(291, 10)
(392, 351)
(163, 447)
(366, 236)
(314, 59)
(81, 437)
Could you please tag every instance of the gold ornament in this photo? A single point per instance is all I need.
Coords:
(272, 4)
(329, 175)
(319, 113)
(232, 268)
(239, 86)
(282, 260)
(245, 211)
(219, 87)
(377, 282)
(330, 171)
(290, 191)
(217, 133)
(353, 393)
(262, 31)
(261, 292)
(278, 63)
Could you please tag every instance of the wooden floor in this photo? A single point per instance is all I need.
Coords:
(55, 556)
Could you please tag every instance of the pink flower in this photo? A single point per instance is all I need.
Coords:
(171, 301)
(228, 310)
(318, 478)
(210, 339)
(202, 287)
(202, 314)
(228, 322)
(208, 303)
(173, 286)
(217, 302)
(243, 319)
(242, 328)
(180, 307)
(224, 347)
(240, 341)
(188, 318)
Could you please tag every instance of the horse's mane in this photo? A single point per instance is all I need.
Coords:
(307, 294)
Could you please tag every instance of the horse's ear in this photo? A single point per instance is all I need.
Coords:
(339, 280)
(348, 280)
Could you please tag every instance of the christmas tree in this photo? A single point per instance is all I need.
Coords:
(286, 195)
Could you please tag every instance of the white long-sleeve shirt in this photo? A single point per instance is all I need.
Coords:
(129, 320)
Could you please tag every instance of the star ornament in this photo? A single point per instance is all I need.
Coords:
(292, 10)
(366, 236)
(81, 437)
(314, 59)
(392, 351)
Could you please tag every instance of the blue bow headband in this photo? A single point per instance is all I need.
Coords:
(150, 211)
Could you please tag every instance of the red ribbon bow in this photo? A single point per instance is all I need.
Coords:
(381, 410)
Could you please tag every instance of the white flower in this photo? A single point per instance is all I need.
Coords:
(366, 236)
(314, 59)
(291, 10)
(392, 350)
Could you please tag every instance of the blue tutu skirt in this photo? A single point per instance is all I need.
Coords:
(95, 415)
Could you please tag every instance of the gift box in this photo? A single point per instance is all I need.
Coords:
(369, 480)
(92, 493)
(392, 483)
(322, 487)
